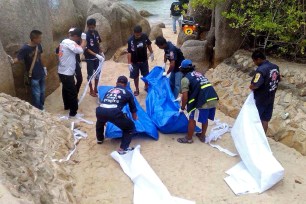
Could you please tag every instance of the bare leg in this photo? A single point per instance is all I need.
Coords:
(91, 89)
(204, 129)
(96, 85)
(191, 127)
(136, 82)
(265, 125)
(146, 86)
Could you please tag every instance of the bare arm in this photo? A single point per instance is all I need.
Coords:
(129, 56)
(150, 48)
(184, 100)
(171, 67)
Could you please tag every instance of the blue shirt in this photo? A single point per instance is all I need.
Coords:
(93, 43)
(266, 80)
(26, 54)
(174, 54)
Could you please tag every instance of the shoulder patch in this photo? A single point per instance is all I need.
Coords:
(257, 77)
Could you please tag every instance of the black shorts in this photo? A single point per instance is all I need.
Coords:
(265, 111)
(92, 66)
(142, 67)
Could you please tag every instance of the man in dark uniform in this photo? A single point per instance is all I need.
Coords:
(201, 100)
(175, 56)
(138, 57)
(110, 110)
(264, 84)
(93, 54)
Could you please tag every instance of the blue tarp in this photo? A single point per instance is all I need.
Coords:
(161, 108)
(144, 125)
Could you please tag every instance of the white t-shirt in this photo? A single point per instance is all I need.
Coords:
(67, 51)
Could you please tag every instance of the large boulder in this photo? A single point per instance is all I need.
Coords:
(6, 74)
(155, 32)
(182, 37)
(18, 18)
(145, 13)
(197, 51)
(228, 40)
(29, 140)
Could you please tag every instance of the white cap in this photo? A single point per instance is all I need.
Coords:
(71, 29)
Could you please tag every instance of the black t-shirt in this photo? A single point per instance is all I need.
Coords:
(26, 54)
(138, 48)
(120, 96)
(266, 78)
(176, 9)
(174, 54)
(93, 43)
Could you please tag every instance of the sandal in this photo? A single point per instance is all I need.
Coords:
(184, 140)
(136, 93)
(93, 94)
(201, 138)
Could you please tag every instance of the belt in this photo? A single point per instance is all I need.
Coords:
(108, 106)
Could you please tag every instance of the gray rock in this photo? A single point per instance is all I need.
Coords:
(145, 13)
(6, 74)
(155, 32)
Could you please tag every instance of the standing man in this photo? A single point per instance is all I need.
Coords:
(30, 54)
(264, 84)
(66, 68)
(176, 13)
(138, 44)
(201, 100)
(110, 110)
(92, 54)
(175, 56)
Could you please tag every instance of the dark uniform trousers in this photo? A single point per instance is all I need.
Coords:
(78, 77)
(118, 118)
(69, 93)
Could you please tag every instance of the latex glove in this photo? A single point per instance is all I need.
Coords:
(100, 58)
(164, 66)
(131, 68)
(152, 57)
(165, 74)
(10, 59)
(83, 36)
(46, 71)
(181, 110)
(179, 99)
(102, 54)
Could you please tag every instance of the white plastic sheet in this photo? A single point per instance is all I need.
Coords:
(148, 188)
(259, 169)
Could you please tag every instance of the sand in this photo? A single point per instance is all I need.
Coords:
(192, 171)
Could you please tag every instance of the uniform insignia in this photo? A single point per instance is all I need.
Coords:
(257, 77)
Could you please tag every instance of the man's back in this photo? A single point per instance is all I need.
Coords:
(176, 8)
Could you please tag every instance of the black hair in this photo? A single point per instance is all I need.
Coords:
(76, 32)
(160, 40)
(35, 34)
(257, 54)
(137, 29)
(187, 70)
(91, 22)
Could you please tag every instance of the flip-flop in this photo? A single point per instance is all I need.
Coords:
(201, 138)
(136, 93)
(184, 140)
(93, 94)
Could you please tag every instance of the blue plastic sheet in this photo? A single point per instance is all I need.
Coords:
(144, 125)
(161, 108)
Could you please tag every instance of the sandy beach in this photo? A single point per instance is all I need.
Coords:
(193, 172)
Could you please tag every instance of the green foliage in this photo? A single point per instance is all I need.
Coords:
(206, 3)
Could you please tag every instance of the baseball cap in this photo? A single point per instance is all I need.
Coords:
(186, 63)
(122, 80)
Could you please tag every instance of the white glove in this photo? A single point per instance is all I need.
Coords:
(131, 68)
(46, 71)
(165, 74)
(100, 58)
(164, 66)
(83, 36)
(152, 57)
(179, 99)
(181, 111)
(102, 54)
(10, 59)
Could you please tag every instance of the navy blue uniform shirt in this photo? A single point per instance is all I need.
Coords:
(93, 43)
(26, 54)
(174, 54)
(120, 96)
(138, 48)
(266, 79)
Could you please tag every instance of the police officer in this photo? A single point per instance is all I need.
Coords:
(201, 100)
(175, 56)
(110, 110)
(264, 84)
(138, 57)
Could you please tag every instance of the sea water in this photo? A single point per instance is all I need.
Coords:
(160, 9)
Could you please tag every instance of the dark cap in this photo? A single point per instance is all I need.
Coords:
(122, 80)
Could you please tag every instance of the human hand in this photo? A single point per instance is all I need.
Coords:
(130, 67)
(10, 58)
(46, 71)
(135, 116)
(100, 58)
(83, 36)
(152, 57)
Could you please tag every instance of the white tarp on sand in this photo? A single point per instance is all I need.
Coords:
(148, 188)
(259, 170)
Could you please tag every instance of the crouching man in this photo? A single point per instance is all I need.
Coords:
(110, 110)
(201, 100)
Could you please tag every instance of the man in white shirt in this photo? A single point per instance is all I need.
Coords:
(66, 68)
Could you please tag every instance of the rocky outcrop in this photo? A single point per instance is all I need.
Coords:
(6, 74)
(231, 80)
(145, 13)
(29, 140)
(155, 32)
